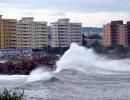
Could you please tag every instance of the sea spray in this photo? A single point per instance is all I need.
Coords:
(40, 74)
(87, 61)
(13, 77)
(3, 61)
(76, 58)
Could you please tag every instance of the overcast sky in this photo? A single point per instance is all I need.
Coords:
(89, 12)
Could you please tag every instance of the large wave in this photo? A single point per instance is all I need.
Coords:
(87, 61)
(78, 58)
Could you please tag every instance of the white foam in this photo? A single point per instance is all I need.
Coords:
(39, 74)
(12, 77)
(76, 58)
(3, 61)
(87, 61)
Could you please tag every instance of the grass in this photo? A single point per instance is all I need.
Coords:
(11, 94)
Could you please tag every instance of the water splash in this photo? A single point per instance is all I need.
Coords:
(87, 61)
(40, 74)
(12, 77)
(2, 61)
(77, 58)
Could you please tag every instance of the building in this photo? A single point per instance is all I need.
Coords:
(31, 34)
(122, 35)
(107, 35)
(128, 32)
(115, 33)
(7, 33)
(64, 33)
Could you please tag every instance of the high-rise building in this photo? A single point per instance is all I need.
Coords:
(128, 32)
(115, 33)
(31, 34)
(64, 33)
(122, 37)
(7, 33)
(107, 41)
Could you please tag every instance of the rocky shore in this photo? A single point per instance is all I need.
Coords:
(26, 66)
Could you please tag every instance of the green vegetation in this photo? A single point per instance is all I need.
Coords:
(94, 37)
(114, 49)
(98, 47)
(11, 95)
(117, 50)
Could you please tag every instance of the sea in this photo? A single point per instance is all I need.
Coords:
(81, 74)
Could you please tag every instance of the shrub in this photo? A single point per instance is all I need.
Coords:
(11, 94)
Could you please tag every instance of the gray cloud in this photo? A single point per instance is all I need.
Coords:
(58, 14)
(90, 12)
(71, 5)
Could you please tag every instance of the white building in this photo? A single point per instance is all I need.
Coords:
(64, 33)
(31, 34)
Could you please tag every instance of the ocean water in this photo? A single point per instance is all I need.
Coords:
(81, 74)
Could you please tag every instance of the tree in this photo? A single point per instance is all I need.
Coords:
(84, 42)
(98, 47)
(94, 37)
(120, 49)
(111, 47)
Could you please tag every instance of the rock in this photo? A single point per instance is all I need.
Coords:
(25, 67)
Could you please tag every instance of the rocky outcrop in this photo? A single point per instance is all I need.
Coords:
(25, 67)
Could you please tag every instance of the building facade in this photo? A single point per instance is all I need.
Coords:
(128, 32)
(122, 35)
(115, 33)
(64, 33)
(107, 35)
(31, 34)
(8, 33)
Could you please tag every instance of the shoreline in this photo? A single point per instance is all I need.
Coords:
(26, 66)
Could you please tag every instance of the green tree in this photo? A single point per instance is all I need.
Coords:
(98, 47)
(94, 37)
(120, 49)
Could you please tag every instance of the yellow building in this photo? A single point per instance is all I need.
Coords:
(8, 33)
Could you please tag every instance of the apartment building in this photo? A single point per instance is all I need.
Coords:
(107, 35)
(115, 33)
(64, 33)
(7, 33)
(122, 37)
(128, 32)
(31, 34)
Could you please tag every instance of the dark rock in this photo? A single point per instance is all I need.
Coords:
(25, 67)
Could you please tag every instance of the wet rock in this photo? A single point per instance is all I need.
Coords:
(25, 67)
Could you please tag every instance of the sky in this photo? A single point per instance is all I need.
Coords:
(92, 13)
